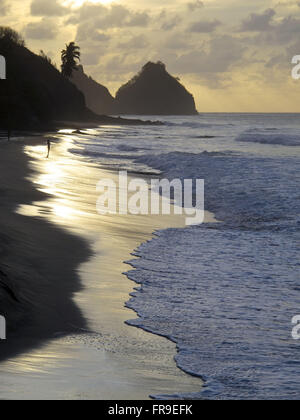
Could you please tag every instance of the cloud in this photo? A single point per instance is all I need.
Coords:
(4, 7)
(177, 41)
(113, 16)
(275, 61)
(137, 19)
(47, 8)
(121, 66)
(87, 12)
(283, 32)
(170, 23)
(45, 29)
(205, 26)
(101, 36)
(258, 22)
(84, 33)
(197, 4)
(218, 55)
(90, 58)
(135, 43)
(287, 30)
(212, 64)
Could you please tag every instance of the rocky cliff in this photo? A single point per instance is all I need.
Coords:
(155, 92)
(97, 96)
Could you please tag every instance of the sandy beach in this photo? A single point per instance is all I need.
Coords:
(149, 213)
(33, 259)
(67, 333)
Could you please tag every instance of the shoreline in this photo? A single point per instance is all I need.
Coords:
(56, 125)
(134, 363)
(34, 255)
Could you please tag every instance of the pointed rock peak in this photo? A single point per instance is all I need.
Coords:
(153, 91)
(157, 67)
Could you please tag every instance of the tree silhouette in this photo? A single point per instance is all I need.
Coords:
(9, 39)
(10, 36)
(45, 57)
(69, 58)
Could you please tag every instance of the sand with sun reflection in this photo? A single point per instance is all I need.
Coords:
(80, 347)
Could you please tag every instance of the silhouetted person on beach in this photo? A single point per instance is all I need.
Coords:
(8, 134)
(49, 147)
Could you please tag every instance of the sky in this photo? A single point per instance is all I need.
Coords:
(233, 55)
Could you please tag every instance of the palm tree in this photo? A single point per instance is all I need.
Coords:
(68, 58)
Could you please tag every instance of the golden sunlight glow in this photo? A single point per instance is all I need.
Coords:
(78, 3)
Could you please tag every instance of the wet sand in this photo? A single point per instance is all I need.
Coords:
(34, 260)
(87, 351)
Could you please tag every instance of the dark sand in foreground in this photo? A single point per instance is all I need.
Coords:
(37, 262)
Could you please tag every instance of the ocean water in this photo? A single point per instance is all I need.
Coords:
(224, 292)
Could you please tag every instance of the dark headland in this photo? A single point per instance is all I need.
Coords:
(36, 96)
